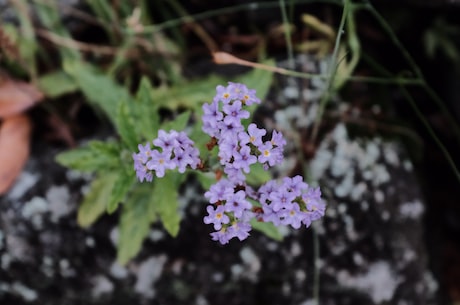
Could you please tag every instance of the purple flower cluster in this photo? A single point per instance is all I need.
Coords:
(291, 203)
(177, 151)
(233, 203)
(239, 148)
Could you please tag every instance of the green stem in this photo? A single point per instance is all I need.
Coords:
(287, 34)
(332, 69)
(316, 265)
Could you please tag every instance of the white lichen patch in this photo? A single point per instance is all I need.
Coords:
(59, 205)
(390, 155)
(251, 262)
(101, 285)
(18, 248)
(379, 282)
(118, 271)
(23, 183)
(358, 191)
(26, 293)
(148, 273)
(34, 210)
(411, 210)
(379, 197)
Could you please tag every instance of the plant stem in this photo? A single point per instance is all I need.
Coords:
(332, 69)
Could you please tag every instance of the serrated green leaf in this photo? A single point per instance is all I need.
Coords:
(135, 223)
(122, 185)
(146, 111)
(97, 155)
(98, 88)
(166, 202)
(258, 175)
(126, 126)
(95, 201)
(57, 83)
(267, 228)
(178, 124)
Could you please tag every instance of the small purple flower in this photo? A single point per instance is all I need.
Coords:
(166, 141)
(220, 191)
(266, 153)
(144, 152)
(243, 159)
(221, 236)
(228, 148)
(234, 174)
(253, 136)
(295, 185)
(292, 216)
(231, 129)
(160, 162)
(211, 118)
(224, 94)
(141, 169)
(237, 204)
(181, 160)
(217, 217)
(281, 199)
(278, 139)
(234, 113)
(314, 204)
(239, 229)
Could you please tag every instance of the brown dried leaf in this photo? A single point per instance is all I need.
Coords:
(14, 149)
(16, 97)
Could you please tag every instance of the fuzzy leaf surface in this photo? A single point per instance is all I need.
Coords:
(95, 202)
(97, 155)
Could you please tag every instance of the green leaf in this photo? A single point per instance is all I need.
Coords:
(206, 179)
(135, 223)
(95, 201)
(126, 126)
(165, 201)
(258, 175)
(178, 124)
(50, 17)
(267, 228)
(122, 185)
(98, 88)
(55, 84)
(97, 155)
(146, 111)
(194, 93)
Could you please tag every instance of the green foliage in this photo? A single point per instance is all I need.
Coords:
(98, 88)
(57, 83)
(165, 201)
(258, 175)
(136, 218)
(137, 119)
(95, 201)
(267, 228)
(95, 156)
(122, 186)
(145, 112)
(126, 126)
